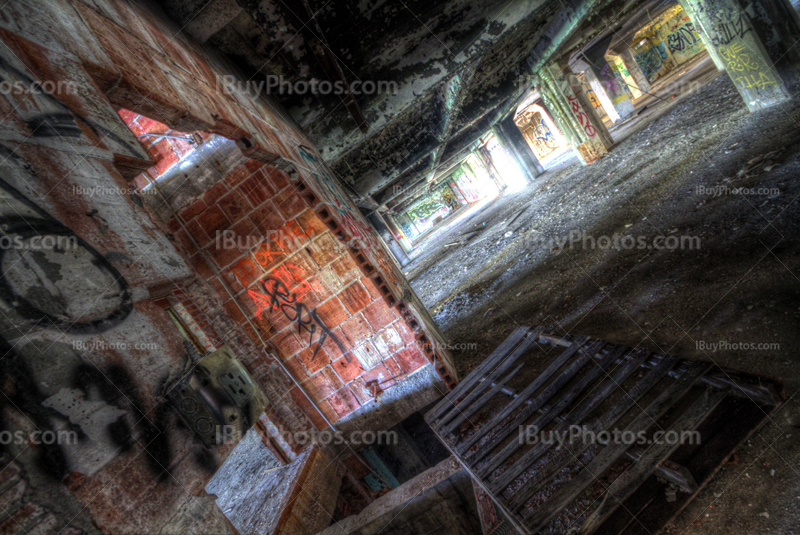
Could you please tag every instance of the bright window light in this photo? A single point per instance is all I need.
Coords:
(509, 171)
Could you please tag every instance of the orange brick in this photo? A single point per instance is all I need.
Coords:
(343, 402)
(236, 176)
(257, 188)
(348, 367)
(311, 224)
(277, 178)
(332, 313)
(213, 220)
(289, 203)
(193, 210)
(334, 349)
(357, 329)
(235, 205)
(314, 362)
(287, 343)
(354, 297)
(387, 341)
(324, 249)
(410, 359)
(267, 218)
(379, 314)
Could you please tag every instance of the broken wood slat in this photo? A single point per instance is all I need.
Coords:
(478, 405)
(770, 393)
(611, 453)
(580, 412)
(631, 479)
(481, 386)
(519, 213)
(557, 384)
(743, 418)
(508, 344)
(540, 423)
(537, 404)
(564, 456)
(522, 398)
(650, 495)
(674, 473)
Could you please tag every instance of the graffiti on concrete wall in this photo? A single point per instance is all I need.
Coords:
(449, 199)
(425, 210)
(47, 117)
(683, 38)
(593, 100)
(97, 411)
(652, 60)
(612, 83)
(729, 30)
(581, 116)
(50, 276)
(746, 71)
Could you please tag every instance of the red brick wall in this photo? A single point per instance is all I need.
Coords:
(165, 151)
(119, 55)
(282, 263)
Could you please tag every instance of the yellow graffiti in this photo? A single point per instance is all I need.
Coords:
(758, 81)
(737, 61)
(740, 61)
(593, 99)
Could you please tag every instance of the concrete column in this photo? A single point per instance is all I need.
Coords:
(575, 116)
(609, 90)
(388, 237)
(515, 144)
(755, 40)
(700, 29)
(636, 71)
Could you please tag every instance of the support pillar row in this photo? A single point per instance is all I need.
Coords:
(574, 114)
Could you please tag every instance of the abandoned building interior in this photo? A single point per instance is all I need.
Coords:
(454, 267)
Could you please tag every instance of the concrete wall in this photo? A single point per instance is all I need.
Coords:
(681, 37)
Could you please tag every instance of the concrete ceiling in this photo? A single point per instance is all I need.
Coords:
(456, 66)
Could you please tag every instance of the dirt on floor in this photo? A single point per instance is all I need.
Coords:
(683, 240)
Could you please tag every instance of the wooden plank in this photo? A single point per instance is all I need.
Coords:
(769, 392)
(708, 459)
(502, 350)
(632, 478)
(565, 455)
(588, 405)
(611, 453)
(501, 368)
(479, 404)
(522, 398)
(559, 382)
(531, 455)
(515, 521)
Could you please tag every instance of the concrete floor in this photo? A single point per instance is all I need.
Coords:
(675, 176)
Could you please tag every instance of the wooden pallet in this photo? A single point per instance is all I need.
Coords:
(616, 487)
